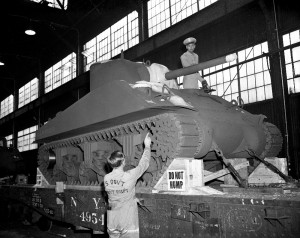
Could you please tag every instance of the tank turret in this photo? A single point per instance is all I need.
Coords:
(127, 100)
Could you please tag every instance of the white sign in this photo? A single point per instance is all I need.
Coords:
(176, 180)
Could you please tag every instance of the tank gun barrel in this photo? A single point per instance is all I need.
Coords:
(204, 65)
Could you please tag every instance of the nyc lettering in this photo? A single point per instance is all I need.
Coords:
(90, 216)
(96, 201)
(176, 180)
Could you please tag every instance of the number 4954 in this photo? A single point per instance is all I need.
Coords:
(92, 217)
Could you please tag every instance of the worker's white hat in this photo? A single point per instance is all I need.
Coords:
(189, 41)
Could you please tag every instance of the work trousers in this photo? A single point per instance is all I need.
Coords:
(123, 222)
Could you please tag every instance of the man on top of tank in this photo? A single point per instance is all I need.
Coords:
(190, 58)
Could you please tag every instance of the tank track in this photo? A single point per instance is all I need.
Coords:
(273, 144)
(173, 135)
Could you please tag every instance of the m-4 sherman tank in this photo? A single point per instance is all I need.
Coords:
(127, 100)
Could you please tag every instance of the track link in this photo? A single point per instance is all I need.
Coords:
(273, 140)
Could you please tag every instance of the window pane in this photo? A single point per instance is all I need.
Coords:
(297, 68)
(287, 56)
(296, 53)
(289, 71)
(259, 80)
(234, 86)
(267, 77)
(213, 79)
(260, 94)
(252, 95)
(286, 40)
(244, 95)
(226, 76)
(244, 83)
(241, 56)
(297, 84)
(220, 89)
(250, 68)
(295, 37)
(243, 71)
(251, 81)
(227, 88)
(268, 90)
(258, 65)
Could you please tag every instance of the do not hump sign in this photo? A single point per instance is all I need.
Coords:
(176, 180)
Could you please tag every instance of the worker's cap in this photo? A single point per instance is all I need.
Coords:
(189, 41)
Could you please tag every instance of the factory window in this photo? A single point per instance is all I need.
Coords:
(53, 3)
(28, 92)
(104, 45)
(292, 60)
(205, 3)
(133, 29)
(119, 36)
(60, 73)
(7, 106)
(90, 53)
(182, 9)
(109, 43)
(124, 33)
(163, 14)
(158, 16)
(26, 138)
(9, 141)
(252, 79)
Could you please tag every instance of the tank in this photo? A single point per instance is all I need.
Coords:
(128, 99)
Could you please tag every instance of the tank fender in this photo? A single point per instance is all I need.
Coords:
(255, 139)
(255, 120)
(228, 136)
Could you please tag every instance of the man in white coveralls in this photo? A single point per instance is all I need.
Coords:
(122, 214)
(190, 58)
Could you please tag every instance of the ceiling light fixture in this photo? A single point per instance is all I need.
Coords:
(1, 63)
(30, 31)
